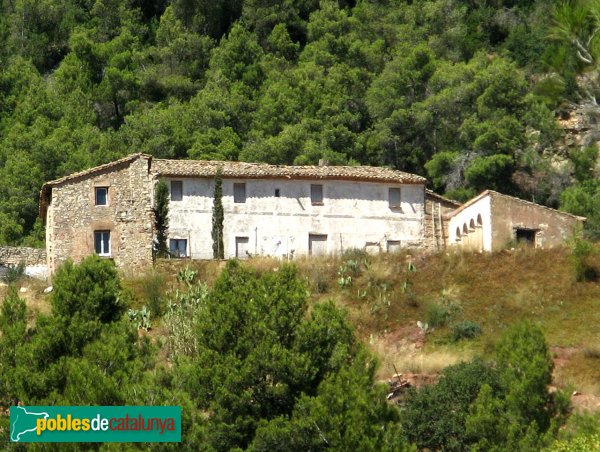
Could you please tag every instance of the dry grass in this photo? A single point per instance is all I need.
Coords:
(494, 290)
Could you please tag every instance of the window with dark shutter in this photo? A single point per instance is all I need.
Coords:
(394, 198)
(316, 195)
(239, 193)
(176, 190)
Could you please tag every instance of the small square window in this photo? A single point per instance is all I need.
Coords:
(176, 190)
(316, 195)
(239, 193)
(394, 198)
(101, 196)
(102, 243)
(178, 247)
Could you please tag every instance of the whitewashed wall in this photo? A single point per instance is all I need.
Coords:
(479, 237)
(353, 215)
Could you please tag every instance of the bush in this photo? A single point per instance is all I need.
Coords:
(438, 314)
(154, 286)
(465, 330)
(14, 273)
(91, 289)
(581, 253)
(434, 416)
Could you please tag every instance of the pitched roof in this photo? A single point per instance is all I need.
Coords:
(45, 191)
(243, 170)
(495, 193)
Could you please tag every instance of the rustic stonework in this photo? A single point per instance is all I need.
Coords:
(435, 226)
(72, 216)
(13, 255)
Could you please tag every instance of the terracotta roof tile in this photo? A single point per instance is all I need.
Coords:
(206, 168)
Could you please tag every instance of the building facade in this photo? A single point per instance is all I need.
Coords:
(281, 211)
(493, 221)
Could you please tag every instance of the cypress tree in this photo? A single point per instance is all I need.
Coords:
(217, 218)
(161, 218)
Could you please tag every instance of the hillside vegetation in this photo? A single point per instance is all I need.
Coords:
(257, 352)
(463, 92)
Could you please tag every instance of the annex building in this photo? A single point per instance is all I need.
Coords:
(276, 210)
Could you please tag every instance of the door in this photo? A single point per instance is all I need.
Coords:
(317, 244)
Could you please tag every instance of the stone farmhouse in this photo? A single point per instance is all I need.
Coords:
(282, 211)
(493, 221)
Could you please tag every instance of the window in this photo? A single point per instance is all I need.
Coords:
(239, 193)
(101, 196)
(176, 190)
(317, 244)
(178, 247)
(316, 195)
(525, 236)
(393, 246)
(394, 198)
(241, 248)
(277, 193)
(102, 243)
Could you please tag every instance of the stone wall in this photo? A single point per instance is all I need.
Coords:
(73, 217)
(551, 227)
(13, 255)
(435, 226)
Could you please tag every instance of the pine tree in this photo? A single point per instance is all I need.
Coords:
(161, 218)
(217, 218)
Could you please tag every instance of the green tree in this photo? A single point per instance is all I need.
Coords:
(218, 217)
(434, 417)
(161, 218)
(523, 415)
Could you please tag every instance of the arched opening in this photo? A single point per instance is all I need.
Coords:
(465, 229)
(472, 225)
(479, 222)
(458, 234)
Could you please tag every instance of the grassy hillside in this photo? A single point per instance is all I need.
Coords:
(385, 298)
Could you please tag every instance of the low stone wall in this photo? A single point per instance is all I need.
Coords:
(12, 255)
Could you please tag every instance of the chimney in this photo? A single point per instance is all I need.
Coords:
(323, 162)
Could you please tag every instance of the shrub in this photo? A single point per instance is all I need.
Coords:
(465, 330)
(154, 286)
(438, 314)
(581, 253)
(91, 290)
(434, 416)
(14, 273)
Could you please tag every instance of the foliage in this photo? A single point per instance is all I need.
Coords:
(581, 253)
(180, 318)
(265, 368)
(88, 291)
(154, 283)
(14, 273)
(161, 218)
(465, 330)
(217, 217)
(460, 90)
(141, 317)
(83, 340)
(438, 314)
(434, 416)
(524, 414)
